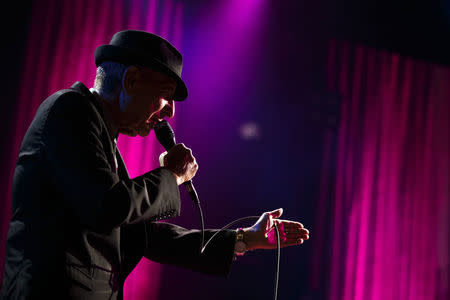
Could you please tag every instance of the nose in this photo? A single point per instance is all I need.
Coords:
(168, 110)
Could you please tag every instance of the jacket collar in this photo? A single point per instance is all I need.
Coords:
(81, 88)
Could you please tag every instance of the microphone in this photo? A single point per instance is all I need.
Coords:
(166, 137)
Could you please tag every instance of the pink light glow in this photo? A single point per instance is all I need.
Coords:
(228, 36)
(389, 194)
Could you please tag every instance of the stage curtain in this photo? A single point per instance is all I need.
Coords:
(386, 167)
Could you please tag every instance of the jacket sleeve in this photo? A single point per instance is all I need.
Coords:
(175, 245)
(82, 175)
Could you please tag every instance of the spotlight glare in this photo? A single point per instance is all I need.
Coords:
(250, 131)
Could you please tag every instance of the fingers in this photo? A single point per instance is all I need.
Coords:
(182, 151)
(292, 232)
(189, 157)
(290, 226)
(289, 223)
(291, 243)
(291, 239)
(194, 166)
(181, 162)
(290, 236)
(294, 226)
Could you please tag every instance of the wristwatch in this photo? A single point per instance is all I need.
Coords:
(240, 246)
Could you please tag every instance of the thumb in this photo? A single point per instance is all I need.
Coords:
(162, 159)
(276, 213)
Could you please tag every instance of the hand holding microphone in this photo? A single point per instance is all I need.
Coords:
(180, 161)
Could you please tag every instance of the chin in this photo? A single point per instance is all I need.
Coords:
(143, 132)
(128, 132)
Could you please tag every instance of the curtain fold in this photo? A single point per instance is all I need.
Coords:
(389, 208)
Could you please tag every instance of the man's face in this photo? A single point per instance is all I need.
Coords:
(151, 94)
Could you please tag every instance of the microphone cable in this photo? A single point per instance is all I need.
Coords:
(277, 233)
(166, 137)
(194, 196)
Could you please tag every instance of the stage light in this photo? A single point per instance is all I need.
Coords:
(250, 131)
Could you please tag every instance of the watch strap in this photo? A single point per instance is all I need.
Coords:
(240, 246)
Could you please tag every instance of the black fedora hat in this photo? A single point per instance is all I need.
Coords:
(135, 47)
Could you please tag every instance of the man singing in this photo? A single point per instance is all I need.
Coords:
(80, 224)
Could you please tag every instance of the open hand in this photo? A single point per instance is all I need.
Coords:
(262, 234)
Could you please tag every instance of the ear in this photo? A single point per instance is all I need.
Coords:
(129, 80)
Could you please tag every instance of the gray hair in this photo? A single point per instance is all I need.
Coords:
(108, 79)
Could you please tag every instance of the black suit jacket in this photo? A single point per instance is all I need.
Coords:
(79, 225)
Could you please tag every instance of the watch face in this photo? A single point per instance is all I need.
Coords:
(240, 247)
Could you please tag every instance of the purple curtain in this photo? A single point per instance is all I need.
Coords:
(61, 41)
(390, 203)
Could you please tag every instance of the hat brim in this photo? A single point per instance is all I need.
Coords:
(129, 57)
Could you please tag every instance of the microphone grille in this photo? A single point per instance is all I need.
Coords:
(164, 134)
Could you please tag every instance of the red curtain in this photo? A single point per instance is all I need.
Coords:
(389, 210)
(60, 50)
